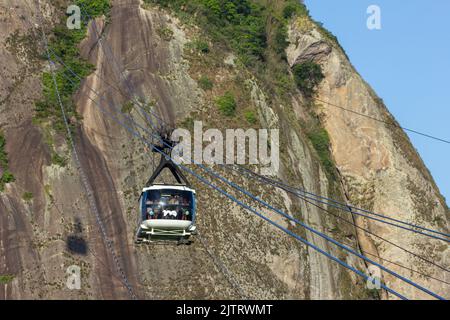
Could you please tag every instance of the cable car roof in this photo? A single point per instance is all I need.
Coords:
(165, 187)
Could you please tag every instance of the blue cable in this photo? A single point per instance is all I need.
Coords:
(291, 218)
(287, 216)
(347, 210)
(338, 207)
(354, 208)
(342, 206)
(346, 207)
(320, 233)
(305, 198)
(245, 205)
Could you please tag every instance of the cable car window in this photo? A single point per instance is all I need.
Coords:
(169, 204)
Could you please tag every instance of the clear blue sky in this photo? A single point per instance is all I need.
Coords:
(407, 63)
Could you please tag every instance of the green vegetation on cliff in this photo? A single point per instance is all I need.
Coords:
(321, 142)
(205, 83)
(64, 43)
(308, 76)
(240, 22)
(250, 116)
(27, 196)
(5, 175)
(257, 31)
(293, 7)
(6, 278)
(94, 8)
(59, 160)
(227, 104)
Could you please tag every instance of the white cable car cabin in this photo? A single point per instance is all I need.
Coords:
(167, 211)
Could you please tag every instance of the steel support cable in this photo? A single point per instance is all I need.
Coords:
(349, 208)
(83, 176)
(406, 268)
(116, 89)
(361, 228)
(350, 250)
(379, 237)
(99, 95)
(311, 229)
(375, 235)
(221, 266)
(385, 122)
(59, 59)
(293, 234)
(322, 235)
(234, 199)
(98, 36)
(346, 206)
(387, 241)
(257, 199)
(318, 233)
(338, 205)
(216, 259)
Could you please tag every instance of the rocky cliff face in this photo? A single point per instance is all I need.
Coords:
(144, 52)
(379, 169)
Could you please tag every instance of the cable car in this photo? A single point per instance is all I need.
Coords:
(167, 211)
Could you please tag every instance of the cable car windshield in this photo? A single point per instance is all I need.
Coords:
(168, 204)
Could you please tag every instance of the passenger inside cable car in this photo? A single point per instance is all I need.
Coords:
(168, 204)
